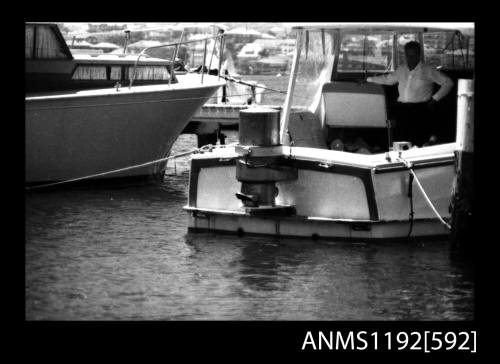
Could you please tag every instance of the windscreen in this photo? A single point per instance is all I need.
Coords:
(367, 52)
(447, 50)
(315, 67)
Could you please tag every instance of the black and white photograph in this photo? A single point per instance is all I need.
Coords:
(252, 171)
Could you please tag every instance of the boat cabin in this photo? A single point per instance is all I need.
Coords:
(334, 60)
(50, 65)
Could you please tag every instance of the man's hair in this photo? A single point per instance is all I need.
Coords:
(413, 45)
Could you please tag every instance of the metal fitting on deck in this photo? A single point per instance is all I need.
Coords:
(259, 128)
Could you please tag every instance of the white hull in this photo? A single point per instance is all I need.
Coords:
(71, 135)
(221, 221)
(336, 195)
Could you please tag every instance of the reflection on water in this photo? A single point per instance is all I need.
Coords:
(123, 253)
(305, 280)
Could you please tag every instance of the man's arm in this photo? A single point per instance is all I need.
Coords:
(442, 80)
(388, 79)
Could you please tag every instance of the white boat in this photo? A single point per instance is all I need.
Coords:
(282, 179)
(53, 66)
(72, 134)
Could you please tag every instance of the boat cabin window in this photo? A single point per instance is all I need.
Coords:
(115, 73)
(149, 73)
(445, 50)
(29, 41)
(372, 53)
(42, 42)
(450, 51)
(90, 73)
(365, 53)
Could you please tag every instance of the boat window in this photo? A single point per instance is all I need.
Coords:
(90, 73)
(365, 52)
(47, 44)
(315, 68)
(149, 73)
(447, 50)
(29, 40)
(116, 73)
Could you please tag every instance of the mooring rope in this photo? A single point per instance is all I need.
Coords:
(205, 148)
(232, 79)
(429, 202)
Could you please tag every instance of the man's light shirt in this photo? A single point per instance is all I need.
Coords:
(416, 85)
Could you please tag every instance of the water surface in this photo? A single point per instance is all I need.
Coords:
(123, 253)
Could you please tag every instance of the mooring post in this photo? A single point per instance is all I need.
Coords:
(463, 189)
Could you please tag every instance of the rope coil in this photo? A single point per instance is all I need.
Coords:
(232, 79)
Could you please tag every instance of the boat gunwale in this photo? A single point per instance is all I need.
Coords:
(377, 162)
(125, 90)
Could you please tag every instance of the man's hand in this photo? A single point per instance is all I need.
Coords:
(432, 104)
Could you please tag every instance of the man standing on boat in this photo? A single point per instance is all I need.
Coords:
(414, 111)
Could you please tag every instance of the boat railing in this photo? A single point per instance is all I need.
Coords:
(217, 38)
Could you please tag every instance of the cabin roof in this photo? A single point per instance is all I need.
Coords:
(117, 59)
(466, 28)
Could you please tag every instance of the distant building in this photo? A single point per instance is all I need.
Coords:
(96, 28)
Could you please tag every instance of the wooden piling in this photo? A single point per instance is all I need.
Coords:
(462, 227)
